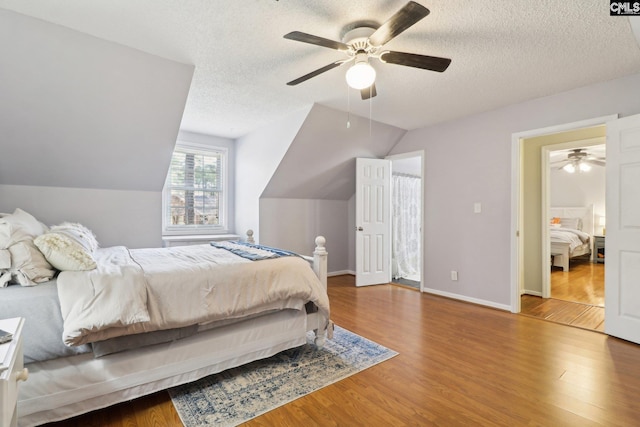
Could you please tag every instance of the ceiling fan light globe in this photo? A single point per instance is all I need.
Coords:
(361, 75)
(585, 167)
(569, 168)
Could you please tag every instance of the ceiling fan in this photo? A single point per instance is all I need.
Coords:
(365, 41)
(578, 159)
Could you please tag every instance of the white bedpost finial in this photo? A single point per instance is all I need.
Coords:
(320, 260)
(250, 236)
(320, 241)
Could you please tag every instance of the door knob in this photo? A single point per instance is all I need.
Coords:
(359, 228)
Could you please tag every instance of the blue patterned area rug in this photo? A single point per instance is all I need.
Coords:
(240, 394)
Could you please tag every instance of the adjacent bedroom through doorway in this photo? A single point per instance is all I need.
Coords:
(564, 176)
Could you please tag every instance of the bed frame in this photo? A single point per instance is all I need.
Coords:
(560, 250)
(68, 386)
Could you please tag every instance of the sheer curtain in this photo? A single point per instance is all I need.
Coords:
(406, 225)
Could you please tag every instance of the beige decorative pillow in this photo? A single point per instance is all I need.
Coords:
(5, 259)
(28, 266)
(20, 260)
(68, 247)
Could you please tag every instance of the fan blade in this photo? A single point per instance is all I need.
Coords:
(316, 72)
(425, 62)
(411, 13)
(368, 92)
(315, 40)
(596, 162)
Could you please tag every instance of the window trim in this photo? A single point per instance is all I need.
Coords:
(223, 228)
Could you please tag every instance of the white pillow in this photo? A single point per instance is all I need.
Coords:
(68, 247)
(574, 223)
(19, 226)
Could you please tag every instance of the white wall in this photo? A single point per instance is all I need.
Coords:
(310, 190)
(78, 111)
(579, 189)
(117, 217)
(87, 128)
(320, 163)
(258, 154)
(293, 224)
(468, 161)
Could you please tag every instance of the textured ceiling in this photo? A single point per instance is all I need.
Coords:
(502, 53)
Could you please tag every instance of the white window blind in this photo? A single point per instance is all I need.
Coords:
(194, 192)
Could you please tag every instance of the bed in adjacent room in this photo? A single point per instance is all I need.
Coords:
(570, 234)
(105, 325)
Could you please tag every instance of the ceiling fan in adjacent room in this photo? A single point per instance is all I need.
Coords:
(578, 159)
(365, 41)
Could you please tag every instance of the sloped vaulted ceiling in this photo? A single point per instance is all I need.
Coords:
(320, 162)
(78, 111)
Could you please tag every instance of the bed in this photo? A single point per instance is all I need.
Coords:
(79, 362)
(570, 234)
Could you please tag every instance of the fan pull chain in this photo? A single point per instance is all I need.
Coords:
(370, 109)
(348, 108)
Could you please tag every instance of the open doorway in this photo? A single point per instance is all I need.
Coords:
(407, 215)
(533, 259)
(576, 205)
(572, 211)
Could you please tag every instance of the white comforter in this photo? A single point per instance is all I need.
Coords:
(143, 290)
(571, 236)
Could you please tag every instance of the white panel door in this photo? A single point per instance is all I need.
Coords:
(622, 244)
(373, 221)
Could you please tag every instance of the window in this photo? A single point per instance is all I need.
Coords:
(194, 197)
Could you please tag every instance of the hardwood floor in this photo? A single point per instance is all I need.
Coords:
(577, 297)
(459, 364)
(583, 283)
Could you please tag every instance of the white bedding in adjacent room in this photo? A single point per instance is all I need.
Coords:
(574, 238)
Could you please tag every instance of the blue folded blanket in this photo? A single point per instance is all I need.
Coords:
(252, 251)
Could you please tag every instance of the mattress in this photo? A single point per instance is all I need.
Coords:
(42, 334)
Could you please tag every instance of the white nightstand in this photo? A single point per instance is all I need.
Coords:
(11, 371)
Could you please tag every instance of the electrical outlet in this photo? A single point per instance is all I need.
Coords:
(454, 275)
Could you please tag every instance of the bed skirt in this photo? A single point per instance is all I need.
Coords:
(65, 387)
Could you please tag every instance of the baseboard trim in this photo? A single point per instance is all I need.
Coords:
(458, 297)
(464, 298)
(534, 293)
(341, 273)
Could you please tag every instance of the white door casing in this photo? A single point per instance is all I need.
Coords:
(373, 221)
(622, 244)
